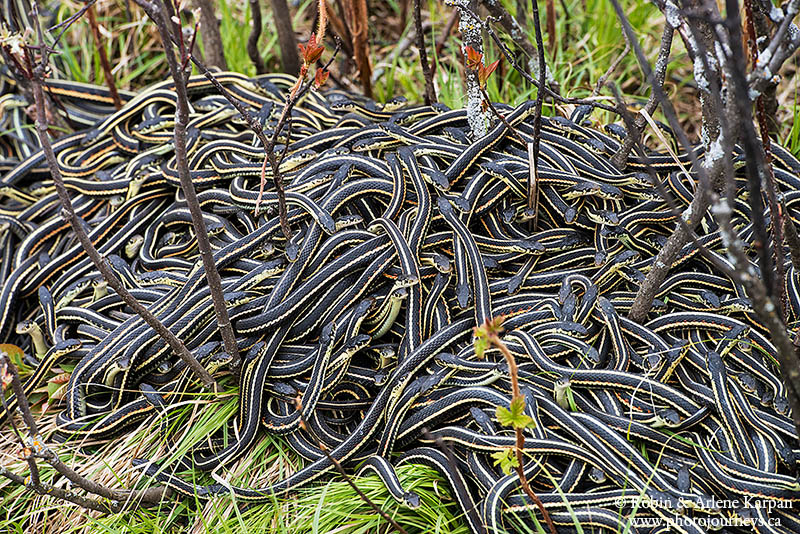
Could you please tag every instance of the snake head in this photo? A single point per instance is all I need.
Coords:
(411, 500)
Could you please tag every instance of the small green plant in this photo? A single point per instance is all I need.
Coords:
(486, 335)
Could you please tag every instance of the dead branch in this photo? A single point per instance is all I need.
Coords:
(620, 158)
(711, 167)
(776, 216)
(359, 17)
(550, 16)
(448, 29)
(35, 447)
(37, 76)
(430, 92)
(512, 27)
(101, 50)
(781, 47)
(180, 73)
(338, 466)
(537, 117)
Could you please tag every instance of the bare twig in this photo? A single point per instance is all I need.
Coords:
(537, 116)
(294, 96)
(713, 167)
(613, 67)
(35, 447)
(663, 191)
(101, 50)
(255, 34)
(782, 45)
(38, 74)
(448, 29)
(549, 91)
(550, 16)
(788, 351)
(180, 72)
(754, 160)
(620, 158)
(776, 217)
(430, 92)
(460, 488)
(512, 27)
(499, 115)
(763, 28)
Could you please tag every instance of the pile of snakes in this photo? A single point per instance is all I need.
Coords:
(407, 233)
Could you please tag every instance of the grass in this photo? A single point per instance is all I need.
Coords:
(587, 41)
(320, 507)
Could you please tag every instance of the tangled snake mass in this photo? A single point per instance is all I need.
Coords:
(407, 233)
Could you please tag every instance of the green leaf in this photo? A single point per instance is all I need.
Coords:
(52, 387)
(481, 344)
(506, 459)
(514, 415)
(571, 399)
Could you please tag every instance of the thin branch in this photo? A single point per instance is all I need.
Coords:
(513, 131)
(533, 186)
(430, 91)
(490, 331)
(77, 226)
(448, 29)
(613, 67)
(59, 493)
(359, 20)
(98, 43)
(511, 26)
(699, 205)
(550, 16)
(259, 132)
(120, 500)
(537, 116)
(180, 73)
(620, 158)
(296, 94)
(781, 47)
(460, 489)
(776, 216)
(549, 92)
(754, 157)
(290, 59)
